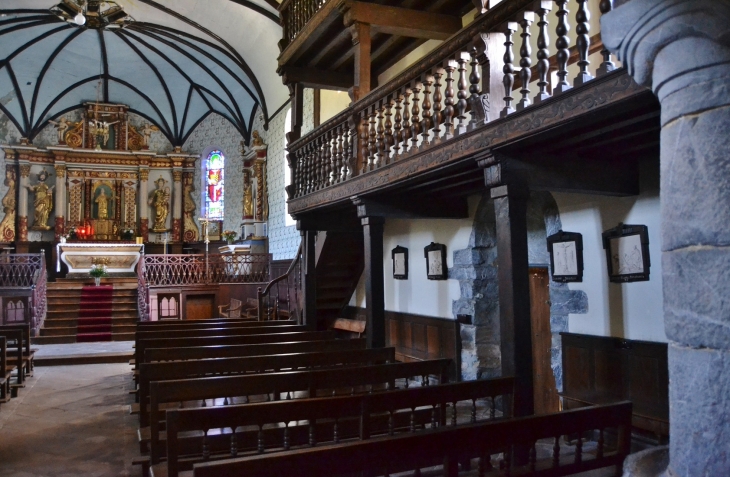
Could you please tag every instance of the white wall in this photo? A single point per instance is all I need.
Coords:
(627, 310)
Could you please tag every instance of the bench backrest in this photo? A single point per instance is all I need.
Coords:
(309, 382)
(15, 351)
(149, 372)
(339, 418)
(447, 446)
(217, 331)
(3, 359)
(209, 323)
(266, 337)
(25, 328)
(226, 351)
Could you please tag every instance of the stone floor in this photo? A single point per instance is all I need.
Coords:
(70, 421)
(73, 349)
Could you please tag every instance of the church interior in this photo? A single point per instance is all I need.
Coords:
(365, 237)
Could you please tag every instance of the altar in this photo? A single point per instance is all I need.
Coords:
(120, 259)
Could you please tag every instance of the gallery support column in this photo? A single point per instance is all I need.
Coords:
(144, 175)
(372, 228)
(60, 199)
(680, 49)
(23, 203)
(177, 200)
(309, 278)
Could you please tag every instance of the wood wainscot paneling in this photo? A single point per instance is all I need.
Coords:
(279, 267)
(599, 370)
(418, 337)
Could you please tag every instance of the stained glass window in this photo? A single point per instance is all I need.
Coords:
(214, 175)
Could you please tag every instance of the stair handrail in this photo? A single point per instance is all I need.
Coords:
(267, 290)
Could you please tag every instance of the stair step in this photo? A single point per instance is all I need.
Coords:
(71, 322)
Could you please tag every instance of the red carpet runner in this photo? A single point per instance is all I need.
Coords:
(95, 314)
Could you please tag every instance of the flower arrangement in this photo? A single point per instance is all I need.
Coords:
(127, 234)
(70, 234)
(229, 235)
(98, 271)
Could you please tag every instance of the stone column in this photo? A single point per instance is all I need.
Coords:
(144, 175)
(60, 199)
(680, 49)
(177, 205)
(23, 202)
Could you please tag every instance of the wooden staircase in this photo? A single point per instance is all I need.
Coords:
(63, 298)
(339, 264)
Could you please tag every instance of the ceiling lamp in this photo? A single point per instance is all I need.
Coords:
(92, 13)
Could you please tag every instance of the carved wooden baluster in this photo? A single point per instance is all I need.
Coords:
(437, 113)
(607, 66)
(341, 131)
(583, 42)
(556, 451)
(296, 157)
(461, 105)
(449, 101)
(543, 52)
(427, 113)
(433, 416)
(406, 119)
(473, 411)
(509, 69)
(332, 157)
(327, 156)
(206, 448)
(453, 416)
(287, 440)
(525, 60)
(234, 443)
(260, 440)
(398, 136)
(563, 45)
(474, 78)
(319, 164)
(302, 172)
(312, 434)
(413, 420)
(388, 130)
(311, 159)
(380, 136)
(372, 141)
(347, 153)
(364, 147)
(415, 122)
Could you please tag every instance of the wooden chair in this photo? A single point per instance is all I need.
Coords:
(233, 309)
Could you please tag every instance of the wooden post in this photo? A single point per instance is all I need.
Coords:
(361, 40)
(309, 284)
(374, 281)
(510, 207)
(296, 95)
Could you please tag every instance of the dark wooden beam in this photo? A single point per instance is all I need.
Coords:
(309, 285)
(296, 98)
(362, 42)
(342, 36)
(402, 21)
(374, 281)
(315, 78)
(412, 208)
(332, 221)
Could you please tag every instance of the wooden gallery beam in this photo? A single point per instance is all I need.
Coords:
(401, 21)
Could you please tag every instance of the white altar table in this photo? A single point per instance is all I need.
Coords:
(119, 258)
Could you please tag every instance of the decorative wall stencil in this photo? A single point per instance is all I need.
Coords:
(400, 263)
(627, 253)
(435, 255)
(566, 256)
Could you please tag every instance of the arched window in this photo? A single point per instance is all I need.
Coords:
(288, 220)
(214, 181)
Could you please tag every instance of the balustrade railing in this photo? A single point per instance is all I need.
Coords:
(39, 304)
(182, 270)
(281, 298)
(143, 292)
(25, 274)
(449, 92)
(294, 15)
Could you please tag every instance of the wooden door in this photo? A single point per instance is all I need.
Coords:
(546, 394)
(199, 307)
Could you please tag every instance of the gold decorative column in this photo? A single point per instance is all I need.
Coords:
(190, 233)
(60, 199)
(7, 226)
(261, 212)
(177, 203)
(23, 203)
(144, 174)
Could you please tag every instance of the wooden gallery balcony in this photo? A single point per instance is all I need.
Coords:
(506, 99)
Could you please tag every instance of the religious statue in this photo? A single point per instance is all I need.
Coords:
(102, 202)
(190, 233)
(62, 126)
(256, 140)
(147, 131)
(43, 202)
(100, 129)
(160, 200)
(248, 200)
(7, 226)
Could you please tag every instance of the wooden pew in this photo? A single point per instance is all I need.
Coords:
(210, 323)
(309, 382)
(230, 351)
(145, 344)
(447, 447)
(28, 352)
(228, 330)
(150, 372)
(6, 370)
(15, 353)
(360, 416)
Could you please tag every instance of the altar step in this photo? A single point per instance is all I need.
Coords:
(62, 324)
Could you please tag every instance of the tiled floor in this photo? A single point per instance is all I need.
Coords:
(70, 421)
(74, 349)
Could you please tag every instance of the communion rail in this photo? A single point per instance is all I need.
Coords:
(281, 298)
(451, 92)
(182, 270)
(23, 288)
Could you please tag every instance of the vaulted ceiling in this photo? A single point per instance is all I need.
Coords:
(172, 61)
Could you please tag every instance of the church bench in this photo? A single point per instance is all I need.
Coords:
(211, 322)
(448, 446)
(15, 356)
(327, 420)
(150, 372)
(144, 344)
(28, 352)
(218, 331)
(6, 370)
(311, 383)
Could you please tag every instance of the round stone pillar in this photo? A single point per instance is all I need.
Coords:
(177, 203)
(60, 197)
(680, 49)
(23, 202)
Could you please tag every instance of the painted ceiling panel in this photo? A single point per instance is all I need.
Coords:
(159, 61)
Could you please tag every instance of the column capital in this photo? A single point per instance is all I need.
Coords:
(60, 170)
(176, 176)
(144, 174)
(676, 47)
(25, 170)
